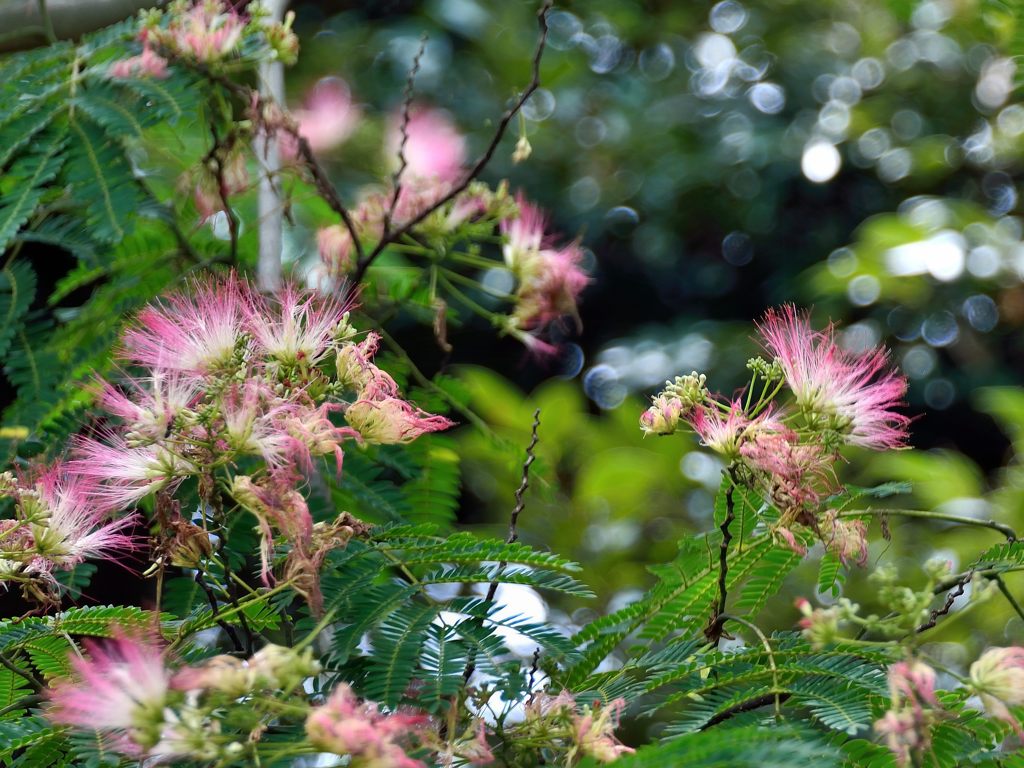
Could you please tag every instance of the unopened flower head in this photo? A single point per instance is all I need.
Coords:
(663, 417)
(852, 395)
(820, 625)
(691, 390)
(998, 678)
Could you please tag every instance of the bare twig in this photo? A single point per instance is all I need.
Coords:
(957, 589)
(714, 629)
(212, 600)
(396, 181)
(364, 263)
(513, 531)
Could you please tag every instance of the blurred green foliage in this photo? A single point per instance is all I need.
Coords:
(719, 158)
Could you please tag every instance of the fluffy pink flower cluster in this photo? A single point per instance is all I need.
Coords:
(346, 726)
(208, 31)
(906, 726)
(125, 689)
(589, 730)
(56, 525)
(998, 679)
(229, 375)
(550, 279)
(147, 64)
(851, 395)
(789, 452)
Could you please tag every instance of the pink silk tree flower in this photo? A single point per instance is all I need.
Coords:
(67, 525)
(907, 724)
(837, 390)
(524, 234)
(594, 732)
(120, 475)
(356, 371)
(434, 149)
(296, 327)
(846, 539)
(998, 679)
(147, 64)
(344, 726)
(121, 687)
(327, 118)
(200, 333)
(152, 404)
(209, 31)
(392, 420)
(797, 474)
(334, 243)
(550, 286)
(720, 430)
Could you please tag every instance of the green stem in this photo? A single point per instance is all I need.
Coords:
(1006, 530)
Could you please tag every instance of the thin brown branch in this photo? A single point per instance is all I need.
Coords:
(364, 263)
(747, 706)
(715, 627)
(513, 530)
(956, 590)
(396, 181)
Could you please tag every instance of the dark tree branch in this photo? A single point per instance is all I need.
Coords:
(956, 589)
(212, 600)
(364, 263)
(714, 629)
(513, 531)
(746, 706)
(396, 181)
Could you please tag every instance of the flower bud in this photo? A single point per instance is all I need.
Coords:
(662, 418)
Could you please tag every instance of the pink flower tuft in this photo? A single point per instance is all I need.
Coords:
(434, 149)
(147, 64)
(297, 327)
(327, 118)
(119, 475)
(721, 431)
(345, 726)
(595, 732)
(71, 526)
(209, 31)
(199, 334)
(121, 687)
(852, 394)
(335, 246)
(391, 420)
(524, 233)
(550, 286)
